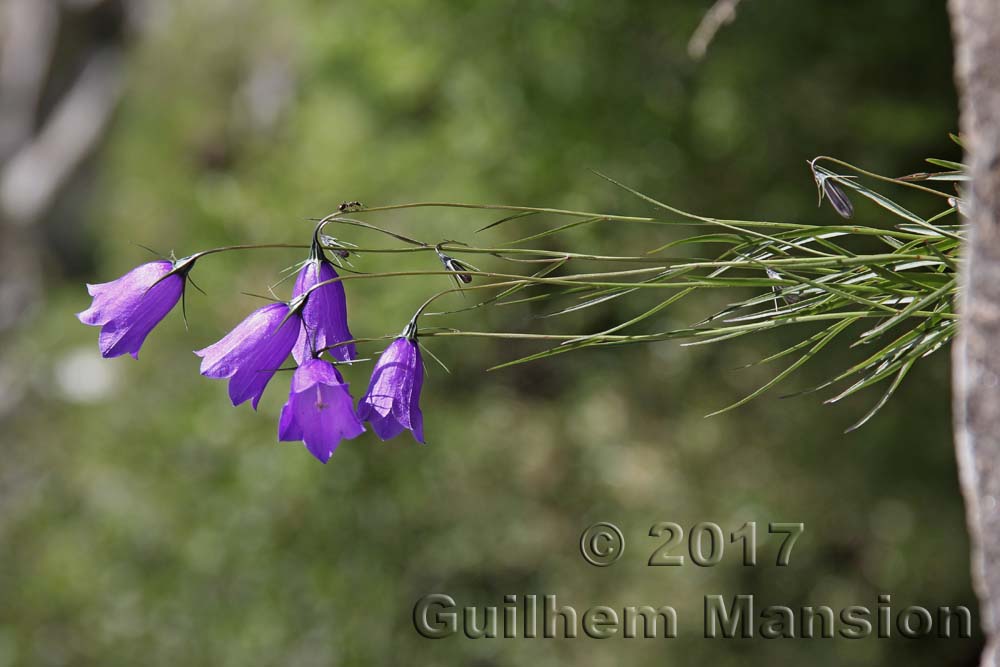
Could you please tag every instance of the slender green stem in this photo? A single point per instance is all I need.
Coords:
(247, 246)
(880, 177)
(552, 254)
(515, 335)
(693, 219)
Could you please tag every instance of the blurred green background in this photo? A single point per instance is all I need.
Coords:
(143, 520)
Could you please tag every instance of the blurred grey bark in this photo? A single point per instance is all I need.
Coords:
(55, 99)
(976, 353)
(61, 77)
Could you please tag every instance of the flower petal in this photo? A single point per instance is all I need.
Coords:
(386, 428)
(391, 403)
(416, 415)
(128, 308)
(122, 295)
(320, 410)
(288, 428)
(315, 371)
(324, 315)
(326, 415)
(251, 353)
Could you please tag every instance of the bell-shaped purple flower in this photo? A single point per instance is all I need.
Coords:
(319, 411)
(250, 354)
(127, 309)
(392, 402)
(324, 316)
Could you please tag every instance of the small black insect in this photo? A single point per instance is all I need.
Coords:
(350, 206)
(789, 297)
(456, 265)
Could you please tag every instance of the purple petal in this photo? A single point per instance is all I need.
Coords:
(119, 296)
(313, 372)
(392, 400)
(324, 316)
(390, 380)
(251, 353)
(386, 428)
(128, 308)
(288, 428)
(416, 415)
(326, 415)
(320, 410)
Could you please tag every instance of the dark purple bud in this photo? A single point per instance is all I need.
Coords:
(838, 199)
(827, 186)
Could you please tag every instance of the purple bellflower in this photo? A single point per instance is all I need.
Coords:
(250, 354)
(128, 308)
(392, 402)
(324, 315)
(319, 411)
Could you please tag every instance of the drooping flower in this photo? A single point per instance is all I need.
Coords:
(128, 308)
(319, 411)
(324, 315)
(250, 354)
(392, 402)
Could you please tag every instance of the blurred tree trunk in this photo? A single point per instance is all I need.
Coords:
(976, 354)
(61, 76)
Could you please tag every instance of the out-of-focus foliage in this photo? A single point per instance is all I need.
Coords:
(837, 280)
(145, 521)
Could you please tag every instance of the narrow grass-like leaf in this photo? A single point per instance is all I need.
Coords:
(885, 397)
(947, 164)
(514, 216)
(801, 344)
(909, 310)
(831, 333)
(556, 230)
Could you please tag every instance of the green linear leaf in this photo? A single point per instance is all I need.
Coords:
(515, 216)
(830, 335)
(556, 230)
(885, 397)
(947, 164)
(909, 310)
